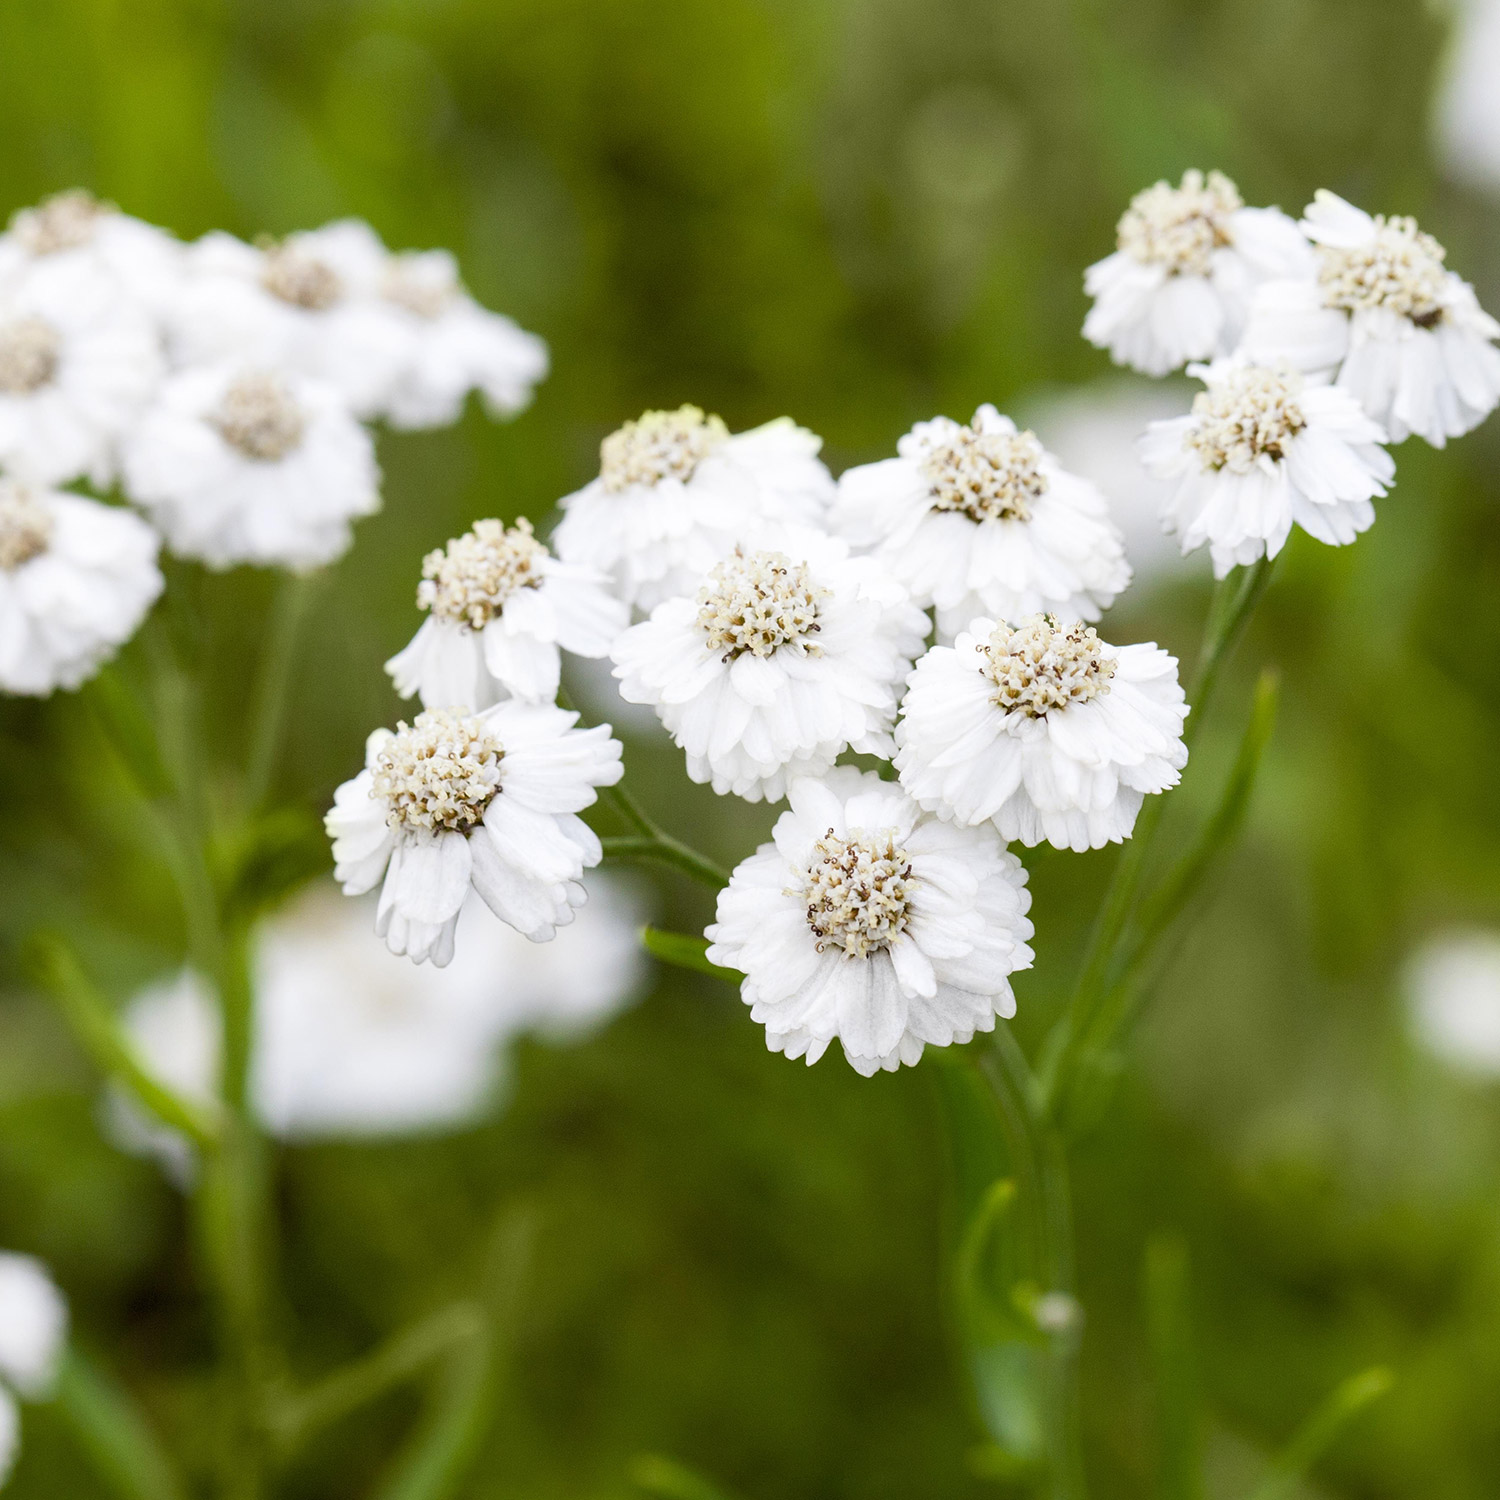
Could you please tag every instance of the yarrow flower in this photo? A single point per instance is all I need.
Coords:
(1382, 315)
(1043, 730)
(239, 464)
(676, 490)
(1189, 258)
(870, 922)
(981, 519)
(33, 1329)
(782, 660)
(76, 580)
(1262, 449)
(487, 800)
(500, 606)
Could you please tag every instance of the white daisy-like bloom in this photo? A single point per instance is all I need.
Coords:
(1043, 730)
(78, 363)
(869, 921)
(500, 605)
(350, 1043)
(129, 255)
(1189, 258)
(1384, 317)
(1263, 449)
(239, 464)
(981, 519)
(1452, 986)
(784, 659)
(1467, 116)
(76, 580)
(33, 1325)
(457, 800)
(676, 490)
(294, 304)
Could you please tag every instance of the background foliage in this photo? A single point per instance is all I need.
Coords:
(860, 212)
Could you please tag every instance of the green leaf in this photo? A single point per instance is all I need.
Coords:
(670, 1480)
(128, 728)
(1320, 1430)
(686, 952)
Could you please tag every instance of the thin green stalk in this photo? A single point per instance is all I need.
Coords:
(662, 848)
(1319, 1431)
(269, 705)
(1179, 1411)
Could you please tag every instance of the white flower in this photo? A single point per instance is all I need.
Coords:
(131, 258)
(1178, 288)
(501, 605)
(1042, 729)
(868, 921)
(76, 579)
(1405, 336)
(238, 464)
(349, 1043)
(10, 1433)
(1452, 984)
(1260, 450)
(33, 1325)
(488, 800)
(676, 491)
(1468, 104)
(983, 520)
(784, 660)
(78, 362)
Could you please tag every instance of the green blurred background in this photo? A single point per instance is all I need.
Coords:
(860, 212)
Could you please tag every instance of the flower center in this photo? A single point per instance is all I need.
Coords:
(25, 525)
(986, 476)
(1180, 227)
(439, 773)
(1250, 415)
(1400, 268)
(62, 222)
(259, 416)
(660, 445)
(1038, 665)
(29, 353)
(760, 603)
(413, 282)
(300, 279)
(858, 891)
(470, 580)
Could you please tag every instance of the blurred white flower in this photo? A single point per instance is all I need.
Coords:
(349, 1043)
(784, 660)
(1452, 984)
(238, 464)
(1383, 316)
(10, 1433)
(1094, 430)
(1043, 729)
(1179, 286)
(1263, 449)
(131, 258)
(487, 801)
(981, 519)
(868, 921)
(33, 1326)
(676, 491)
(501, 605)
(1468, 103)
(76, 580)
(78, 363)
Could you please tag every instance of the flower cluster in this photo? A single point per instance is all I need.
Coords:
(221, 391)
(33, 1329)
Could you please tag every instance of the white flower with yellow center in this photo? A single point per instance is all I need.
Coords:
(33, 1331)
(1381, 314)
(500, 605)
(76, 580)
(1262, 450)
(981, 519)
(240, 464)
(870, 922)
(78, 363)
(457, 800)
(1043, 730)
(676, 490)
(783, 660)
(1189, 258)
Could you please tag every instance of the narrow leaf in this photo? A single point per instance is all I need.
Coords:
(686, 953)
(1179, 1415)
(670, 1480)
(1320, 1430)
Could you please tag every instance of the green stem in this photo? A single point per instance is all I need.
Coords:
(663, 849)
(273, 684)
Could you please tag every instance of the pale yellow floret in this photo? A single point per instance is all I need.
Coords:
(30, 349)
(1249, 415)
(858, 891)
(470, 580)
(659, 445)
(411, 282)
(1400, 268)
(25, 525)
(61, 222)
(260, 417)
(1038, 666)
(300, 279)
(759, 603)
(438, 774)
(986, 476)
(1181, 227)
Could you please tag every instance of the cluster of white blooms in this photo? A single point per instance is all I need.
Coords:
(222, 389)
(1319, 342)
(33, 1329)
